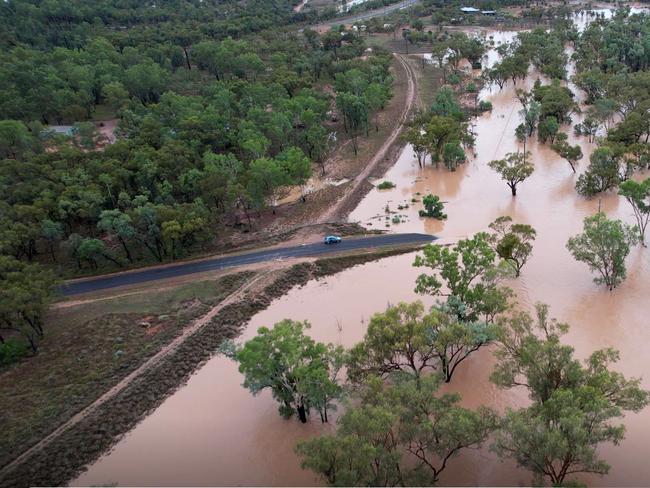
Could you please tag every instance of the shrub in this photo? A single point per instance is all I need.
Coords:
(11, 351)
(484, 106)
(386, 185)
(433, 207)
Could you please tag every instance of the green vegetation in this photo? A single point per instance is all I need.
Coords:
(467, 275)
(603, 246)
(572, 154)
(513, 169)
(441, 132)
(25, 291)
(513, 242)
(637, 195)
(385, 185)
(574, 404)
(433, 207)
(399, 434)
(301, 373)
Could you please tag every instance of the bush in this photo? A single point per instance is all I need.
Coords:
(453, 79)
(484, 106)
(433, 207)
(11, 351)
(397, 220)
(386, 185)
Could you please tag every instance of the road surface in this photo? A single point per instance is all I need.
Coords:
(372, 13)
(211, 264)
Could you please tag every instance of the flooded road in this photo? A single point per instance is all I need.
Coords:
(214, 432)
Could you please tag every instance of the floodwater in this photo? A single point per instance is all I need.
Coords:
(214, 432)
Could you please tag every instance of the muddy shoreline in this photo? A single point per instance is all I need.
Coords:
(66, 456)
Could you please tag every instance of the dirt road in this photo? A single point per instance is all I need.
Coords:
(334, 211)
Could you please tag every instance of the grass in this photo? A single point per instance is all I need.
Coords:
(90, 347)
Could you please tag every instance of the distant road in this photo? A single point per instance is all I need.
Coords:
(372, 13)
(306, 250)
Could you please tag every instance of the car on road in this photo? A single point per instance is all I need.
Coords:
(332, 240)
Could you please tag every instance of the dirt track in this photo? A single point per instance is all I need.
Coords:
(147, 365)
(337, 210)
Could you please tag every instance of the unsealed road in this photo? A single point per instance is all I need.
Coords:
(305, 250)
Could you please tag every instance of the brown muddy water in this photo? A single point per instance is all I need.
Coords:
(214, 432)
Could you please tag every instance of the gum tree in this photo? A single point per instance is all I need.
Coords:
(637, 194)
(575, 405)
(513, 242)
(396, 435)
(514, 169)
(301, 373)
(603, 246)
(467, 275)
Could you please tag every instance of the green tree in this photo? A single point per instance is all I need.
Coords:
(574, 405)
(513, 242)
(25, 293)
(52, 232)
(397, 340)
(572, 154)
(396, 435)
(433, 207)
(548, 129)
(603, 246)
(469, 273)
(15, 139)
(637, 194)
(265, 177)
(514, 169)
(297, 166)
(354, 109)
(602, 173)
(301, 373)
(453, 155)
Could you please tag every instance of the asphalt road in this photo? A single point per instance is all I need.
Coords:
(373, 13)
(305, 250)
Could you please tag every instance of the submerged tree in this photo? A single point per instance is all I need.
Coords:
(408, 341)
(433, 207)
(574, 404)
(572, 154)
(397, 435)
(301, 373)
(513, 242)
(637, 193)
(603, 246)
(468, 271)
(602, 173)
(514, 169)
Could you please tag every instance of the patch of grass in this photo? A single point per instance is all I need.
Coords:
(90, 347)
(385, 185)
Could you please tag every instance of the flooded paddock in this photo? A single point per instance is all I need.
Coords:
(214, 432)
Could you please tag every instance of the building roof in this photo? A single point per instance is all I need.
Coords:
(61, 129)
(469, 10)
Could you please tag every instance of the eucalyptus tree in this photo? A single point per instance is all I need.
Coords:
(603, 246)
(575, 405)
(513, 169)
